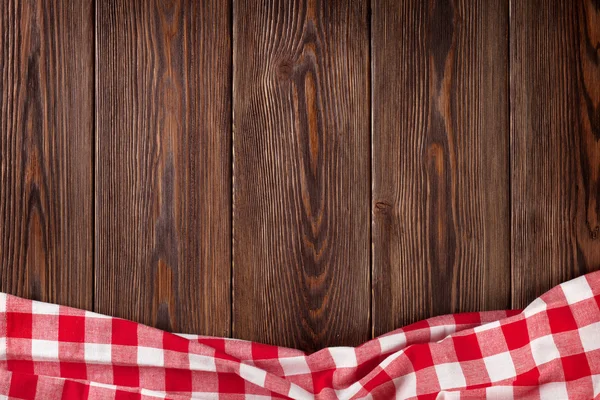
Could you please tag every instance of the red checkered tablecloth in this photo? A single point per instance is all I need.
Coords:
(550, 350)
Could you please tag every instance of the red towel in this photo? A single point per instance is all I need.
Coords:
(550, 350)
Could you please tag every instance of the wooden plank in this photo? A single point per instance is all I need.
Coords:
(46, 147)
(441, 226)
(301, 173)
(555, 143)
(163, 181)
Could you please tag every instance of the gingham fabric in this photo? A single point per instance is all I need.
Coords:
(551, 350)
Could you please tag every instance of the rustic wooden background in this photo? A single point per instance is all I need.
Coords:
(304, 173)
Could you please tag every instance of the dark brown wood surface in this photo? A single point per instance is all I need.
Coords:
(301, 173)
(163, 181)
(46, 148)
(441, 222)
(388, 161)
(555, 143)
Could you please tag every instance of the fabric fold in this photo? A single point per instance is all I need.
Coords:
(550, 350)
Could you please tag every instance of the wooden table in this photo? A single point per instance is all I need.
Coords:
(303, 173)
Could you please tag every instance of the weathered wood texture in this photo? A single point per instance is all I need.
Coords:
(46, 147)
(441, 222)
(477, 123)
(163, 181)
(555, 143)
(301, 173)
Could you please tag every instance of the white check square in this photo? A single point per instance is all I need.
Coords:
(90, 314)
(577, 290)
(596, 384)
(3, 297)
(253, 374)
(450, 375)
(544, 350)
(103, 385)
(452, 396)
(553, 391)
(149, 356)
(202, 363)
(406, 386)
(294, 366)
(44, 308)
(500, 366)
(44, 350)
(590, 336)
(343, 357)
(349, 392)
(296, 392)
(499, 392)
(393, 342)
(487, 327)
(438, 333)
(98, 353)
(153, 393)
(535, 307)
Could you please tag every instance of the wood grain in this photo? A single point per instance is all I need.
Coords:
(301, 173)
(555, 143)
(441, 230)
(163, 181)
(46, 147)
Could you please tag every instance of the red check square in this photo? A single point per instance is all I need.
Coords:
(420, 356)
(124, 332)
(75, 390)
(23, 386)
(263, 351)
(20, 366)
(18, 325)
(561, 319)
(126, 375)
(231, 383)
(516, 334)
(467, 318)
(576, 366)
(178, 380)
(73, 370)
(71, 329)
(124, 395)
(175, 343)
(467, 347)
